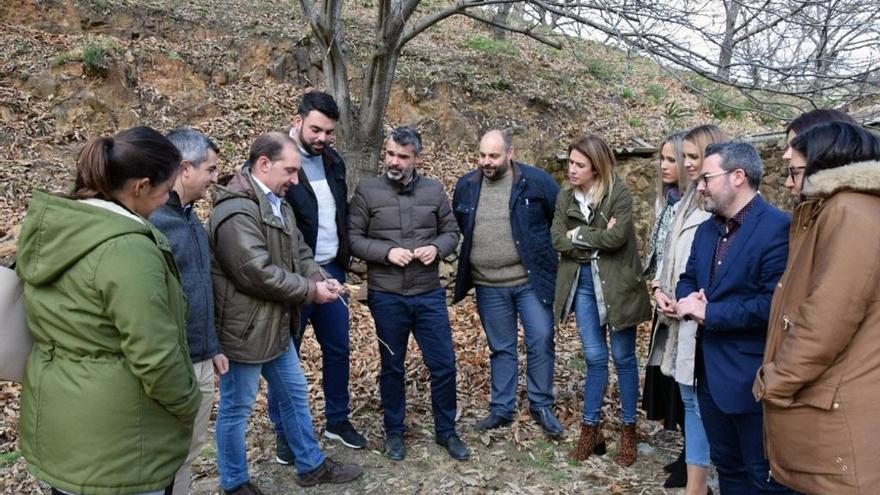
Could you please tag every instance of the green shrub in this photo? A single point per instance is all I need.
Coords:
(63, 57)
(656, 91)
(492, 47)
(95, 59)
(600, 69)
(500, 85)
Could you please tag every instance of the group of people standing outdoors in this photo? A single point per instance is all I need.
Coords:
(134, 305)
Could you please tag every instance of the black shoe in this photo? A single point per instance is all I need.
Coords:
(245, 489)
(345, 433)
(549, 423)
(677, 478)
(456, 448)
(492, 421)
(330, 472)
(678, 463)
(394, 447)
(283, 454)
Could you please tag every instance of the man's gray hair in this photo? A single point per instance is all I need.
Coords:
(193, 145)
(405, 136)
(739, 154)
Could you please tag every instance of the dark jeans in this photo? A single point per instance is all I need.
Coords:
(426, 316)
(736, 448)
(330, 323)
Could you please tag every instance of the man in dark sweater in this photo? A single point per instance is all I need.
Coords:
(504, 210)
(192, 251)
(402, 226)
(320, 204)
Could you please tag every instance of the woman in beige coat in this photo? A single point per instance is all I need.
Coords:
(674, 341)
(820, 382)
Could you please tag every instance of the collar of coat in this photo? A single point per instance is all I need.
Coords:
(861, 176)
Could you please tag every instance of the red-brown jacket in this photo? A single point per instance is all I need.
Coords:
(820, 382)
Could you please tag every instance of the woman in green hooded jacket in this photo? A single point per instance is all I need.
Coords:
(109, 393)
(600, 279)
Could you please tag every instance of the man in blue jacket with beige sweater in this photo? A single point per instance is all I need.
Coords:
(504, 210)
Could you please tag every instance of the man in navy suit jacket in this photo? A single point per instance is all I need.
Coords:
(736, 260)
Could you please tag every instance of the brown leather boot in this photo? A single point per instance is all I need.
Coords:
(626, 446)
(591, 441)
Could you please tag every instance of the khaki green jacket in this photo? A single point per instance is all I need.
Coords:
(263, 272)
(614, 254)
(109, 393)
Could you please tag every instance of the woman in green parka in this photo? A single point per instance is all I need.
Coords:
(600, 280)
(109, 393)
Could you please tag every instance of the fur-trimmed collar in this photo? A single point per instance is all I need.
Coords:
(862, 177)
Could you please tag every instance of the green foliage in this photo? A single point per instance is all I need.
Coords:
(627, 93)
(174, 56)
(9, 458)
(676, 113)
(635, 122)
(656, 91)
(64, 57)
(500, 85)
(492, 47)
(724, 106)
(600, 69)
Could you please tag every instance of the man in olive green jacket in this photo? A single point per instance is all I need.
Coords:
(263, 272)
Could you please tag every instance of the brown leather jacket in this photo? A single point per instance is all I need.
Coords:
(262, 271)
(820, 382)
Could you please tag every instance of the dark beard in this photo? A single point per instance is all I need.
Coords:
(306, 146)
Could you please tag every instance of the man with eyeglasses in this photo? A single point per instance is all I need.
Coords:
(736, 261)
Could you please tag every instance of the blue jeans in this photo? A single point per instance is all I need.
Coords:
(696, 446)
(623, 350)
(499, 308)
(238, 392)
(737, 448)
(426, 316)
(331, 324)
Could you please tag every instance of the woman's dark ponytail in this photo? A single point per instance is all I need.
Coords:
(105, 164)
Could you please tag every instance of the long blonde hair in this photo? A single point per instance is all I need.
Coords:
(602, 158)
(704, 135)
(677, 142)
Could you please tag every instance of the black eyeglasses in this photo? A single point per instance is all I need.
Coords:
(793, 172)
(704, 178)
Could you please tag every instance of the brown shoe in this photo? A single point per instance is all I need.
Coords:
(330, 472)
(591, 441)
(246, 489)
(626, 446)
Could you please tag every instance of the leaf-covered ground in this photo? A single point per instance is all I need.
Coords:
(517, 459)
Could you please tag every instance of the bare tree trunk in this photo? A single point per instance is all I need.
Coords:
(500, 18)
(731, 8)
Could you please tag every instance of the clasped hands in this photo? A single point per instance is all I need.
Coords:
(691, 307)
(401, 256)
